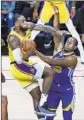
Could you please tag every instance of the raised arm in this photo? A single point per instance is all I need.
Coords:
(57, 37)
(36, 7)
(45, 28)
(39, 27)
(56, 25)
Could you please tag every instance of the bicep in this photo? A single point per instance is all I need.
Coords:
(14, 42)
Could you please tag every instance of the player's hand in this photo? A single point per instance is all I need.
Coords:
(24, 55)
(28, 53)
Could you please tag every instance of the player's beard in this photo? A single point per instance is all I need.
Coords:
(23, 29)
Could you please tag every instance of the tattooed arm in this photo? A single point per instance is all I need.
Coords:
(16, 46)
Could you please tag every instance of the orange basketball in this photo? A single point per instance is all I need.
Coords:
(28, 45)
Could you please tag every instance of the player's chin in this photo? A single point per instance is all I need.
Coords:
(66, 49)
(23, 28)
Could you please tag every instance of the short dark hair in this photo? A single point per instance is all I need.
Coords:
(17, 16)
(76, 42)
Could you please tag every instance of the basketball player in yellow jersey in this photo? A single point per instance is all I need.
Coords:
(26, 73)
(46, 14)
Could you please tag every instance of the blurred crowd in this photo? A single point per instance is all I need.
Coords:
(31, 10)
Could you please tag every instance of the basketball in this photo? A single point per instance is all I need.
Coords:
(28, 45)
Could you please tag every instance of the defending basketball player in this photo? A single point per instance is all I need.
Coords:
(47, 12)
(62, 89)
(63, 63)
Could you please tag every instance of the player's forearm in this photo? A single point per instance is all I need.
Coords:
(30, 25)
(56, 23)
(44, 28)
(49, 60)
(43, 57)
(59, 62)
(37, 5)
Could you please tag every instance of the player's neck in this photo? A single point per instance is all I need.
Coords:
(20, 32)
(17, 30)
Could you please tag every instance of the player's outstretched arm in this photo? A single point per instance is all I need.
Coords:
(65, 62)
(45, 28)
(50, 29)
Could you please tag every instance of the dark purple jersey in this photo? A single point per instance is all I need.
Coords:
(63, 78)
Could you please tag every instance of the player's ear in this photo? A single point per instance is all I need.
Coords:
(75, 47)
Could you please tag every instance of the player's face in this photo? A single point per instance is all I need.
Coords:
(24, 26)
(20, 20)
(69, 45)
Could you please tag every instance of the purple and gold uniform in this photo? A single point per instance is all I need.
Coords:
(62, 90)
(27, 72)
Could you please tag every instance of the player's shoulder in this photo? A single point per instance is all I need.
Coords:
(12, 38)
(72, 59)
